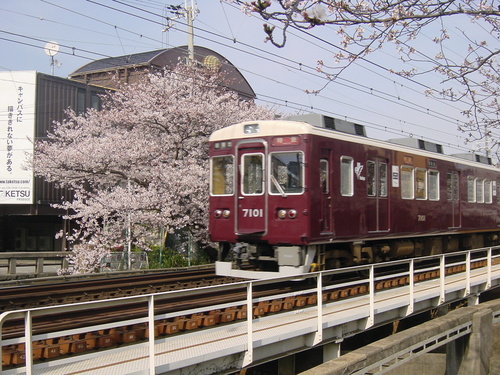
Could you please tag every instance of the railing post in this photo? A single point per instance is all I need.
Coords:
(467, 273)
(371, 283)
(39, 265)
(442, 278)
(12, 266)
(151, 331)
(28, 343)
(319, 296)
(249, 353)
(411, 280)
(64, 263)
(488, 266)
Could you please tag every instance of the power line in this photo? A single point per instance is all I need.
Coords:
(260, 50)
(301, 69)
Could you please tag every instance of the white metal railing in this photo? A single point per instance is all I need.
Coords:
(491, 256)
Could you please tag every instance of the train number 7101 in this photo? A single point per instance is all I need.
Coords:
(256, 212)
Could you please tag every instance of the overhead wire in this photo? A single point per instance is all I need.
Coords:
(291, 67)
(197, 28)
(121, 2)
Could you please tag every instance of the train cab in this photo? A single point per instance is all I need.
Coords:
(258, 196)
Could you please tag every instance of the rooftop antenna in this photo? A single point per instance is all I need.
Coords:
(51, 49)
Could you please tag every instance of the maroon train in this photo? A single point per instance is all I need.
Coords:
(313, 193)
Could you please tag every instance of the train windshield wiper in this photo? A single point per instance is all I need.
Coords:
(278, 186)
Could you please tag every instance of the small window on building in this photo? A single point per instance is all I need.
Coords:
(346, 176)
(421, 183)
(471, 189)
(80, 101)
(95, 101)
(222, 175)
(433, 185)
(479, 190)
(407, 182)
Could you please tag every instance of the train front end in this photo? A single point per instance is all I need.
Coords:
(259, 211)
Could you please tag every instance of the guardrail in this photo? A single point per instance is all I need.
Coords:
(242, 343)
(32, 262)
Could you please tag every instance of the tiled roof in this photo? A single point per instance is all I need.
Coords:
(136, 59)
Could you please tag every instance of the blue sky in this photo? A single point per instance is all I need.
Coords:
(389, 106)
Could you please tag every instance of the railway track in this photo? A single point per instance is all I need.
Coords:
(43, 350)
(110, 286)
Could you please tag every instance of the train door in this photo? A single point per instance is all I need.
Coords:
(326, 195)
(251, 216)
(453, 197)
(377, 195)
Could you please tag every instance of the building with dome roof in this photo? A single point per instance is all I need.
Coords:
(111, 72)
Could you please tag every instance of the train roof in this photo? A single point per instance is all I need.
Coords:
(270, 128)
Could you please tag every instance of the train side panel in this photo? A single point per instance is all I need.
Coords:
(295, 197)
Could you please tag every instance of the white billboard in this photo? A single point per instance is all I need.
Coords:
(17, 133)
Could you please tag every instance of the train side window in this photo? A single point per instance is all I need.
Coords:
(421, 183)
(471, 189)
(370, 179)
(222, 175)
(479, 190)
(253, 179)
(488, 192)
(433, 185)
(453, 186)
(496, 189)
(346, 176)
(382, 180)
(323, 175)
(407, 182)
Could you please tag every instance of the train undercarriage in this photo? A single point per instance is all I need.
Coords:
(263, 260)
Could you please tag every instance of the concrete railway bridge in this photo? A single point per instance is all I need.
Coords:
(228, 348)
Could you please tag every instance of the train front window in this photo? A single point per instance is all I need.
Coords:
(287, 173)
(222, 175)
(253, 177)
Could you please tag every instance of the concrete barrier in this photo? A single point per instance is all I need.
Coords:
(468, 331)
(12, 263)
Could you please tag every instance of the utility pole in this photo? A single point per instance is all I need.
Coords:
(189, 12)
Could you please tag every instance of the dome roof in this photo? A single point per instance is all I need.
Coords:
(167, 58)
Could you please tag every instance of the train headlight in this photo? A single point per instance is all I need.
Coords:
(217, 214)
(292, 214)
(282, 214)
(226, 214)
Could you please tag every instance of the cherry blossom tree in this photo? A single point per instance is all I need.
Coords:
(362, 27)
(141, 163)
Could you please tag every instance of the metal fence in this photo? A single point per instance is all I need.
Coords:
(119, 261)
